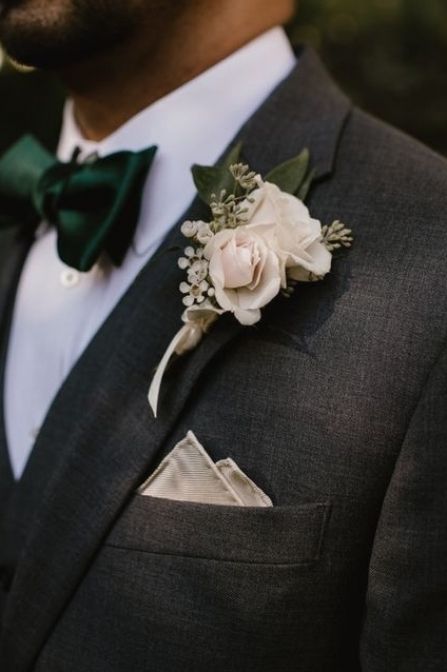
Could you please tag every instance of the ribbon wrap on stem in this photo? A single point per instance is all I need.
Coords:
(197, 322)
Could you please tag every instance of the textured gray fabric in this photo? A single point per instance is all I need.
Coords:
(13, 250)
(335, 405)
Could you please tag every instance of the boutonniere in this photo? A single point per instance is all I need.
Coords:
(259, 242)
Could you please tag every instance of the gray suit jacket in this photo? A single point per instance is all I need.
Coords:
(335, 404)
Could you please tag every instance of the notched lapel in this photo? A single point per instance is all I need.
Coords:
(100, 439)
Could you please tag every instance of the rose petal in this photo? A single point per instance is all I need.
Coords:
(247, 317)
(237, 264)
(266, 290)
(319, 264)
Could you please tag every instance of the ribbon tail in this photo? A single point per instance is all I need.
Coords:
(154, 389)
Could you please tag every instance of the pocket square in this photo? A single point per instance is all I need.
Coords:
(189, 474)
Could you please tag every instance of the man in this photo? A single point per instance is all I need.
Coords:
(334, 405)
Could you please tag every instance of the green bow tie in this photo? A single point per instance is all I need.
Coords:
(93, 205)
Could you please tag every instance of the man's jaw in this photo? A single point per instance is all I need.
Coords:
(7, 5)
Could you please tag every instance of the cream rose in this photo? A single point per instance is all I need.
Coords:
(293, 234)
(244, 271)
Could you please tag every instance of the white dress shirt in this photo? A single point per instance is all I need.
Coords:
(58, 310)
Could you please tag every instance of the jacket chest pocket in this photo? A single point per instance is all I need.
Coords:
(198, 587)
(282, 535)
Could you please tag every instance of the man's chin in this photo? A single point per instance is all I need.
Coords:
(30, 51)
(6, 6)
(63, 33)
(42, 57)
(31, 44)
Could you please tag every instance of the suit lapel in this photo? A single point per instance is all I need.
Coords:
(13, 250)
(99, 438)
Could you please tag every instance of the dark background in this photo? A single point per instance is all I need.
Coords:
(389, 55)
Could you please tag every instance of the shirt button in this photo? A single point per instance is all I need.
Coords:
(69, 278)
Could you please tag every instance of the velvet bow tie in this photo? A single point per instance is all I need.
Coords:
(93, 205)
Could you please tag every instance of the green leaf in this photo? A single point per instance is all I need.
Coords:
(212, 179)
(291, 175)
(306, 185)
(233, 155)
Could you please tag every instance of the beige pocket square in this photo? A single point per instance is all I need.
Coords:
(189, 474)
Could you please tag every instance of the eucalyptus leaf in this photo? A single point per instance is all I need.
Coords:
(291, 175)
(211, 180)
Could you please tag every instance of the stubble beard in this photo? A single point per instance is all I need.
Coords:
(64, 33)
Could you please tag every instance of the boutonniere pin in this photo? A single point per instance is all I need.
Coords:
(260, 241)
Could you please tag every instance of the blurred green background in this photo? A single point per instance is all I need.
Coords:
(389, 55)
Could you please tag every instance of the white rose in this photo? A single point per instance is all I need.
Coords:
(244, 271)
(294, 235)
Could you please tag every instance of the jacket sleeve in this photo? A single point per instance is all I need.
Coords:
(405, 626)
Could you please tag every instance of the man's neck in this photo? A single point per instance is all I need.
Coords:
(114, 87)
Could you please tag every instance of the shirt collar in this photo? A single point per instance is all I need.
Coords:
(192, 124)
